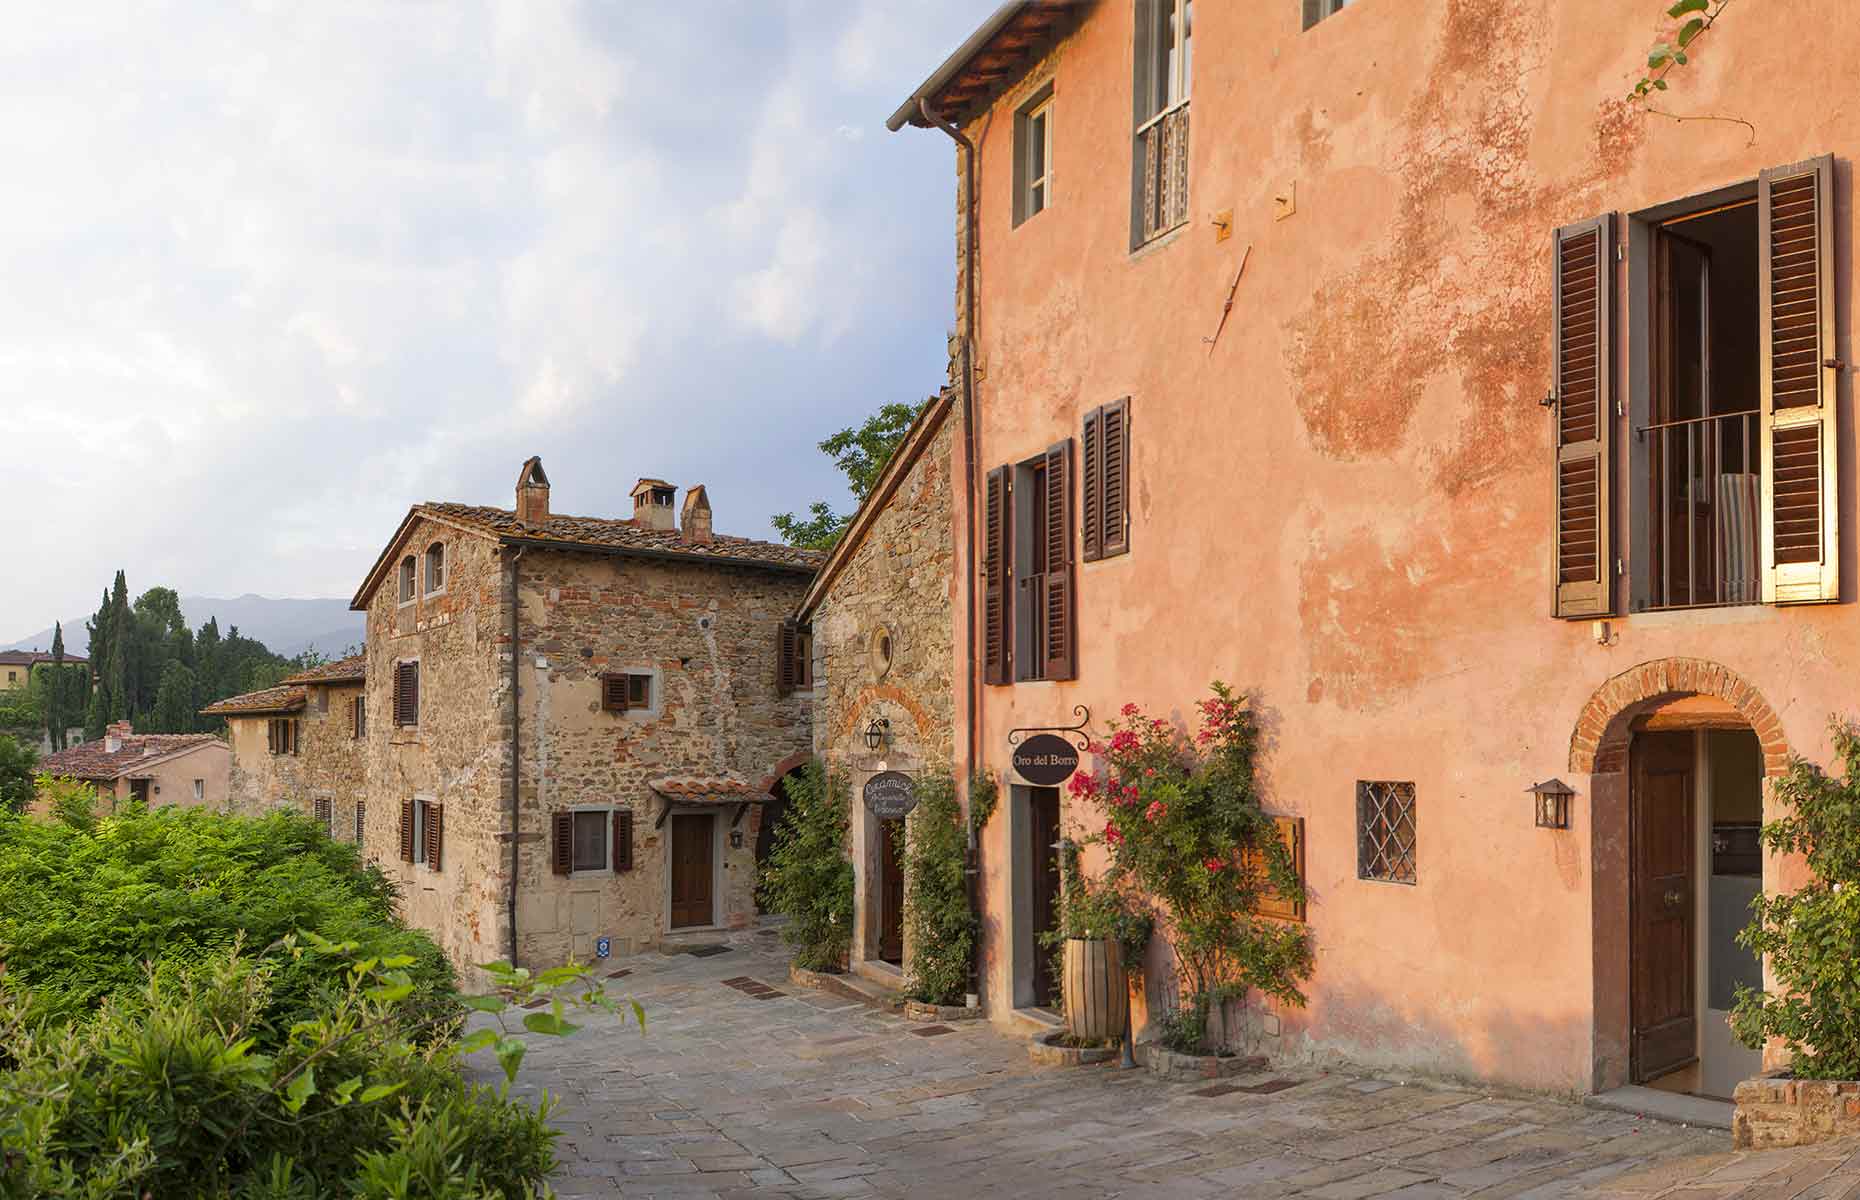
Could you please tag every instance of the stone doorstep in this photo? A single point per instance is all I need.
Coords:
(1674, 1107)
(850, 987)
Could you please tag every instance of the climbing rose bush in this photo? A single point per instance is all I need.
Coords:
(1184, 828)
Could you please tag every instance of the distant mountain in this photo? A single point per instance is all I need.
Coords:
(286, 626)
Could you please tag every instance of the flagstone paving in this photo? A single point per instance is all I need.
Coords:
(743, 1085)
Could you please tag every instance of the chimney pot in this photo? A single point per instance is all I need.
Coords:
(695, 520)
(533, 493)
(652, 504)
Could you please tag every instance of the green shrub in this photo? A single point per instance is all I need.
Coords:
(809, 879)
(938, 924)
(86, 903)
(1810, 935)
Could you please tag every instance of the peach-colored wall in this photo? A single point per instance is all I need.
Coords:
(1345, 503)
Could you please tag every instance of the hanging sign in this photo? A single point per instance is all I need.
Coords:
(890, 794)
(1046, 760)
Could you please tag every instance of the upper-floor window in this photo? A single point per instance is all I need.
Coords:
(626, 691)
(592, 838)
(407, 579)
(435, 567)
(358, 718)
(281, 735)
(407, 693)
(1030, 591)
(794, 653)
(1317, 10)
(1732, 414)
(1033, 156)
(1163, 74)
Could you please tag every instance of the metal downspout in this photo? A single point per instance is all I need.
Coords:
(516, 764)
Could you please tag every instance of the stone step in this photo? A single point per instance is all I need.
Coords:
(1676, 1107)
(1035, 1022)
(869, 992)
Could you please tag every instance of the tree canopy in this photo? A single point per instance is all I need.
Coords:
(861, 455)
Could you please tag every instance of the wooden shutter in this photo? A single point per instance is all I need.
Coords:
(613, 692)
(1106, 505)
(296, 734)
(1291, 831)
(407, 693)
(1061, 600)
(1799, 371)
(1091, 490)
(562, 844)
(321, 806)
(435, 835)
(406, 831)
(1585, 415)
(271, 737)
(997, 566)
(784, 659)
(623, 839)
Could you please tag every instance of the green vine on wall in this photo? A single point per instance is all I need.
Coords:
(938, 923)
(1698, 17)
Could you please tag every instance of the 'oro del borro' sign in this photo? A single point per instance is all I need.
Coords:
(1046, 760)
(890, 794)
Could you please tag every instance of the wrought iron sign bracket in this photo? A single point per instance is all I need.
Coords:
(1069, 731)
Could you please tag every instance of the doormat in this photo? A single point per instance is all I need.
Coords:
(755, 989)
(1270, 1086)
(932, 1031)
(695, 950)
(707, 951)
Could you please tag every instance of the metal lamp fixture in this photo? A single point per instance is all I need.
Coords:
(877, 733)
(1551, 800)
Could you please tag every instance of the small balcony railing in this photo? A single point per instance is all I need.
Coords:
(1704, 526)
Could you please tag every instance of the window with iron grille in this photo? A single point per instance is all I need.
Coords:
(1385, 831)
(1164, 74)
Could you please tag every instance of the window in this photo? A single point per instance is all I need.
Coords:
(422, 833)
(406, 579)
(626, 691)
(435, 567)
(358, 717)
(407, 693)
(1030, 618)
(281, 735)
(1385, 831)
(591, 839)
(361, 821)
(12, 677)
(794, 668)
(200, 791)
(1105, 527)
(1291, 835)
(1164, 72)
(325, 812)
(1033, 156)
(1317, 10)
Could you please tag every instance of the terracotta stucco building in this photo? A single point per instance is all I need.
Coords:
(161, 770)
(1384, 360)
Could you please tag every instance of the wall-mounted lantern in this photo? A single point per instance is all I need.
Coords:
(736, 839)
(1551, 799)
(877, 734)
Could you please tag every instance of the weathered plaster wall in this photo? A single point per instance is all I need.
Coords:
(1344, 504)
(330, 761)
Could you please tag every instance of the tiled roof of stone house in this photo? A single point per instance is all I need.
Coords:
(992, 60)
(606, 532)
(280, 699)
(134, 752)
(33, 658)
(353, 669)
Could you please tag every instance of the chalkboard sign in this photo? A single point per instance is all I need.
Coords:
(890, 794)
(1046, 760)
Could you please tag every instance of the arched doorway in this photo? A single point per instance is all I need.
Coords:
(1677, 753)
(787, 773)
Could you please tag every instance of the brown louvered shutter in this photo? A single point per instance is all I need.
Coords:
(406, 831)
(997, 566)
(1114, 506)
(1799, 372)
(623, 839)
(613, 692)
(271, 737)
(407, 693)
(1061, 615)
(784, 659)
(1091, 490)
(1291, 831)
(562, 842)
(1585, 412)
(435, 836)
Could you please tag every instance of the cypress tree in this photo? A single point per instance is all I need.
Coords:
(55, 691)
(122, 629)
(97, 712)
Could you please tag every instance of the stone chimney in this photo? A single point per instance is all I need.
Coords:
(533, 493)
(695, 520)
(113, 736)
(652, 504)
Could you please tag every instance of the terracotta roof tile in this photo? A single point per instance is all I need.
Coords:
(353, 669)
(625, 535)
(280, 699)
(94, 760)
(32, 658)
(713, 791)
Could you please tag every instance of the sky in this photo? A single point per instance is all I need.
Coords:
(274, 271)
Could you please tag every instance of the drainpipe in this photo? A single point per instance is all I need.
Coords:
(971, 675)
(516, 766)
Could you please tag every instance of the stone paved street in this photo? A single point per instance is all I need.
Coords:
(806, 1095)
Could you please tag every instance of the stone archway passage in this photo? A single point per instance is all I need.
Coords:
(1599, 743)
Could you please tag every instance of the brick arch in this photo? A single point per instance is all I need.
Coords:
(868, 696)
(799, 758)
(1599, 742)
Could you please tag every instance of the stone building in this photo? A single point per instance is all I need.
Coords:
(574, 721)
(299, 745)
(161, 770)
(1486, 426)
(881, 616)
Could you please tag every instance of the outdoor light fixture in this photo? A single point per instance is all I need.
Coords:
(736, 839)
(877, 733)
(1552, 803)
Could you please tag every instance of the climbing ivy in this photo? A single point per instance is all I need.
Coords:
(937, 920)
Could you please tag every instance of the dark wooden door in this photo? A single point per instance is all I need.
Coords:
(692, 869)
(1045, 858)
(891, 891)
(1663, 901)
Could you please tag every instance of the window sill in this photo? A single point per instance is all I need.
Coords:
(1720, 614)
(430, 595)
(1166, 238)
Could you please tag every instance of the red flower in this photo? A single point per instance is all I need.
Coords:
(1214, 864)
(1110, 833)
(1131, 710)
(1156, 809)
(1123, 742)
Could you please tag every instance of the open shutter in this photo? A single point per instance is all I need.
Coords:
(1091, 491)
(435, 836)
(271, 737)
(1799, 369)
(1115, 505)
(784, 659)
(1061, 616)
(407, 693)
(997, 563)
(562, 843)
(406, 831)
(623, 839)
(613, 692)
(1291, 831)
(1585, 413)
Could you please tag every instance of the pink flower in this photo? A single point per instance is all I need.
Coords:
(1214, 864)
(1123, 742)
(1082, 784)
(1131, 710)
(1149, 772)
(1110, 833)
(1156, 809)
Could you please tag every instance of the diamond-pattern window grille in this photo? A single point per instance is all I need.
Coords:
(1385, 831)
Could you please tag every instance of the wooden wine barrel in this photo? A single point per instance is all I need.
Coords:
(1097, 995)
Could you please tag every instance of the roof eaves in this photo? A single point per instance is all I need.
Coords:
(371, 581)
(611, 550)
(980, 43)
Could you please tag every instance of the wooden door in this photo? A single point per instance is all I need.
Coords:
(692, 839)
(1662, 900)
(891, 891)
(1045, 858)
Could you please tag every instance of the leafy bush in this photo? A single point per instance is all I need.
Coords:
(16, 760)
(937, 920)
(85, 903)
(165, 1092)
(808, 878)
(1093, 908)
(1810, 935)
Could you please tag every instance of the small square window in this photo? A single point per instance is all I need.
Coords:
(1385, 831)
(590, 841)
(626, 691)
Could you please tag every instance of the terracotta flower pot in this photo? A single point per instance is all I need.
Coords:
(1097, 994)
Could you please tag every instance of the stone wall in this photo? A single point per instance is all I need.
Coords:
(329, 762)
(1776, 1111)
